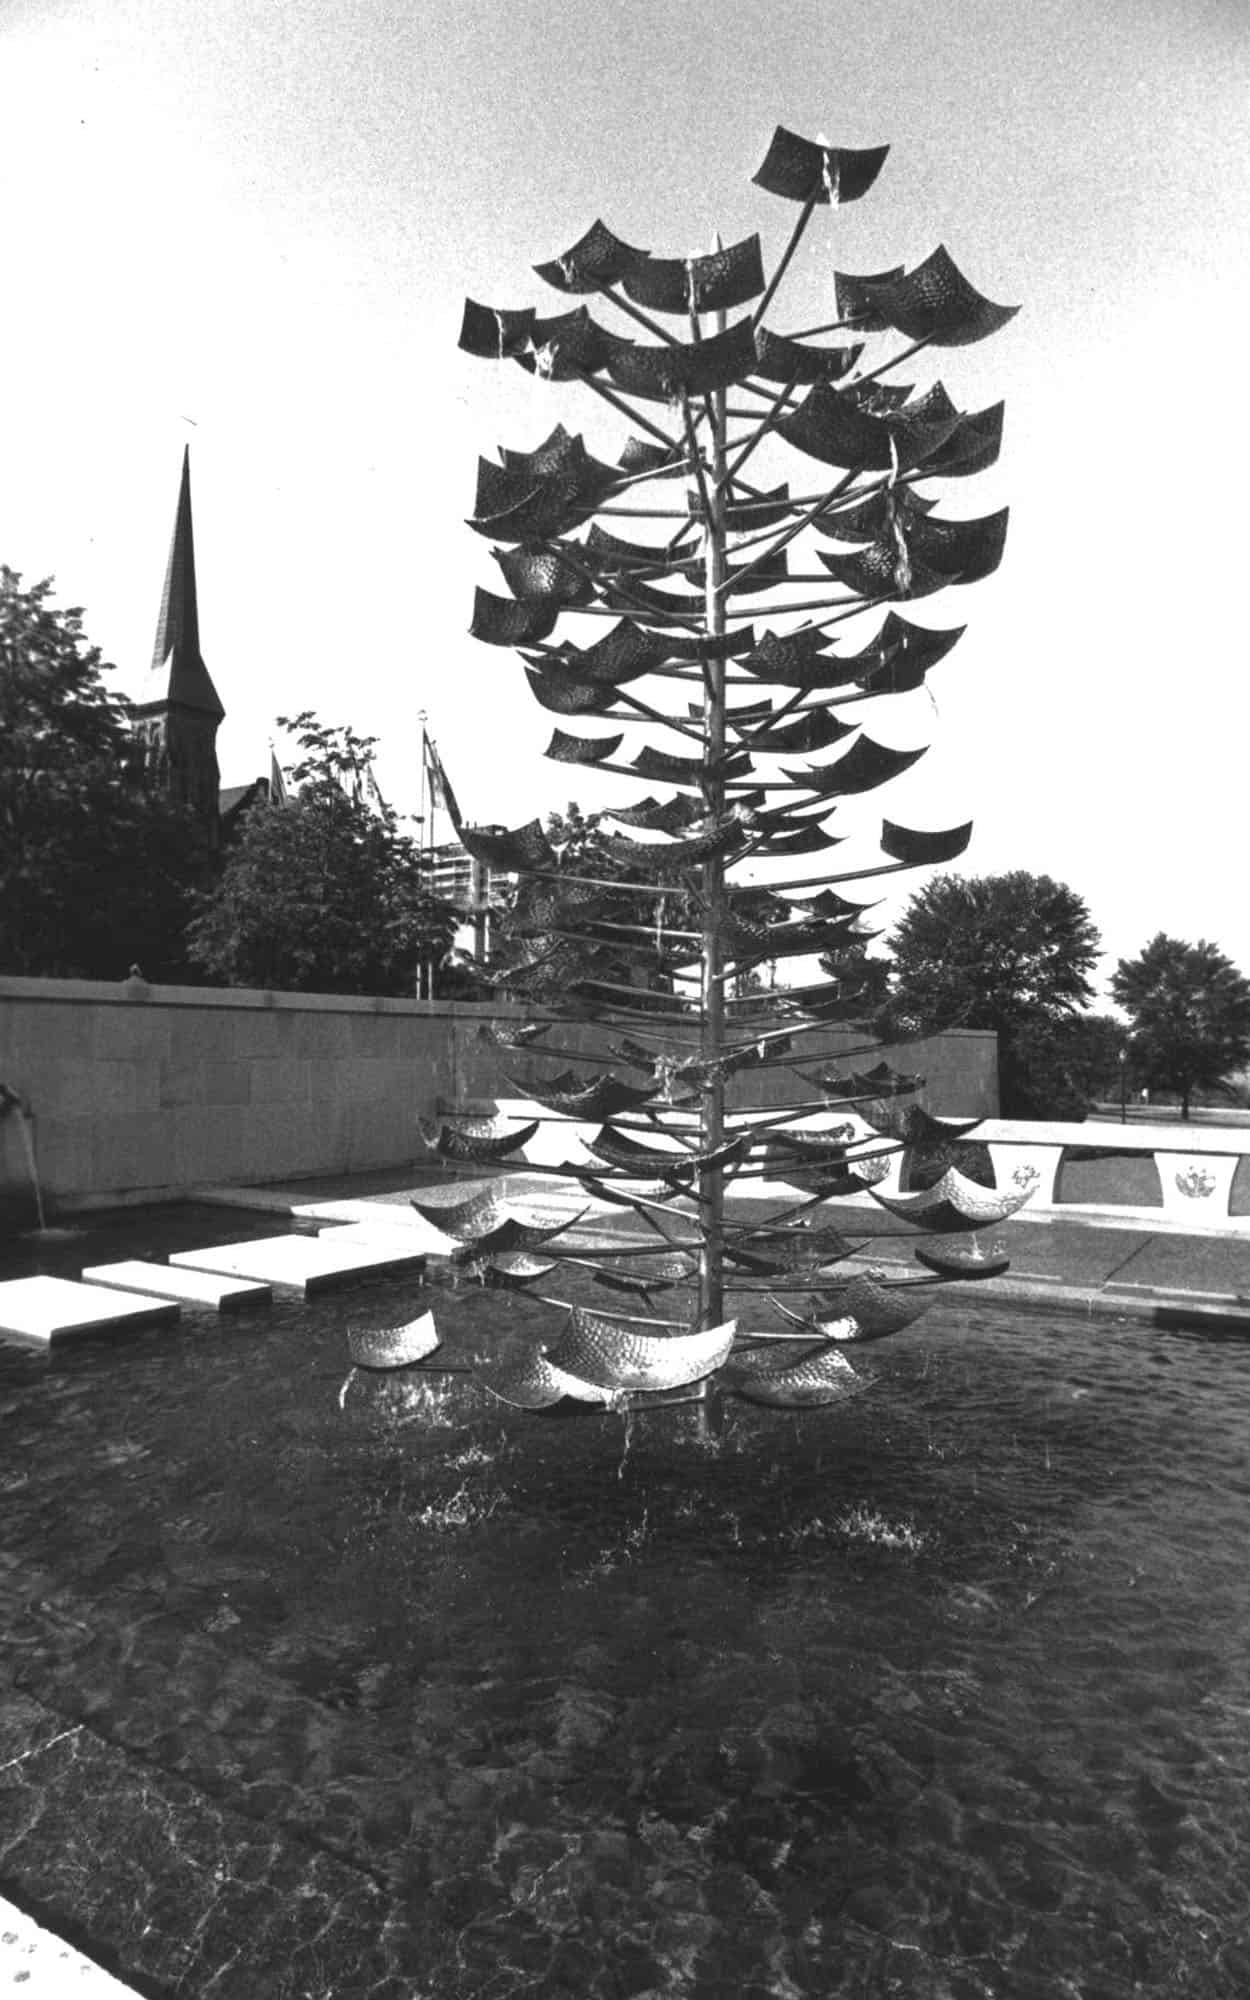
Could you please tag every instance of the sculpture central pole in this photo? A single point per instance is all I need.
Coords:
(712, 1126)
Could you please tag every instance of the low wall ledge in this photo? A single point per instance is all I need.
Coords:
(110, 993)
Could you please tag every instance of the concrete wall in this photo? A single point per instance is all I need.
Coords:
(168, 1088)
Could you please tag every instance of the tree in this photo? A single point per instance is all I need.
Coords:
(98, 865)
(1189, 1007)
(323, 893)
(1010, 952)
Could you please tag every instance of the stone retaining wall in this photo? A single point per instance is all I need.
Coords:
(147, 1092)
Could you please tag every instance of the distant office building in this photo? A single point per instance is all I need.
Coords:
(472, 887)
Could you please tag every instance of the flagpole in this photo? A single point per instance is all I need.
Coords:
(422, 870)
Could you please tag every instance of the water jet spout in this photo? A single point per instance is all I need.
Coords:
(13, 1104)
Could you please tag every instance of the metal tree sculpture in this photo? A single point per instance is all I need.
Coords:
(668, 1148)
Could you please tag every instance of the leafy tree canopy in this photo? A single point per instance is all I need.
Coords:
(97, 863)
(992, 951)
(1189, 1007)
(323, 893)
(1010, 952)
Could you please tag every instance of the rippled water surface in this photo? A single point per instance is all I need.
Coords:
(942, 1693)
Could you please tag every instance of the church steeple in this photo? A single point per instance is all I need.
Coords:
(179, 710)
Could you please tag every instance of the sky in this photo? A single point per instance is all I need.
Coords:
(250, 228)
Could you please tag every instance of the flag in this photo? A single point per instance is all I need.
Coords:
(441, 793)
(278, 795)
(372, 787)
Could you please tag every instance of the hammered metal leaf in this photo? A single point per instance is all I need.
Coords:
(809, 731)
(673, 815)
(713, 283)
(451, 1142)
(900, 656)
(562, 695)
(620, 1149)
(567, 749)
(669, 857)
(393, 1346)
(882, 570)
(871, 517)
(954, 1204)
(810, 839)
(782, 360)
(801, 170)
(493, 333)
(972, 446)
(567, 346)
(795, 659)
(920, 556)
(916, 848)
(513, 850)
(964, 551)
(656, 461)
(526, 1380)
(562, 452)
(501, 621)
(857, 298)
(691, 368)
(876, 1309)
(605, 1096)
(598, 258)
(625, 653)
(881, 1081)
(544, 576)
(864, 766)
(621, 1354)
(935, 302)
(490, 1220)
(614, 551)
(818, 1377)
(963, 1265)
(833, 428)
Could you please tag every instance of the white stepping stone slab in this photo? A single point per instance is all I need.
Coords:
(194, 1288)
(44, 1309)
(304, 1263)
(421, 1238)
(41, 1966)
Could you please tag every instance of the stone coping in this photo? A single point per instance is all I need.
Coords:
(122, 993)
(1136, 1137)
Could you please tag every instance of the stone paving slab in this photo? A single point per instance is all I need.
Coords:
(162, 1281)
(305, 1263)
(1063, 1253)
(378, 1222)
(1200, 1264)
(1127, 1262)
(45, 1310)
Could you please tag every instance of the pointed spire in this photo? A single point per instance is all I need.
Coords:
(178, 673)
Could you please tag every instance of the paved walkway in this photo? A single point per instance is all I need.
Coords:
(1128, 1267)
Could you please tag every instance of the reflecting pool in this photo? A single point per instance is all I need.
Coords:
(353, 1684)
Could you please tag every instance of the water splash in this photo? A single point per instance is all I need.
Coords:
(44, 1231)
(26, 1133)
(12, 1102)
